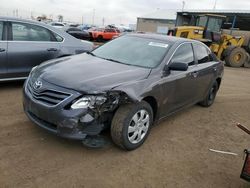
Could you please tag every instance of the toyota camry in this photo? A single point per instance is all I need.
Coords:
(124, 86)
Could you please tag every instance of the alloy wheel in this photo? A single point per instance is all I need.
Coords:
(138, 126)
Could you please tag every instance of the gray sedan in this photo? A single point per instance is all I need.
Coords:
(25, 44)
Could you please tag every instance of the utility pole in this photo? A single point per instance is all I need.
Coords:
(103, 21)
(215, 3)
(93, 17)
(183, 5)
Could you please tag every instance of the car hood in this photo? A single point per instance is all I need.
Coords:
(86, 73)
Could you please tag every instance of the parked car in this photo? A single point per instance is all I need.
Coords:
(86, 27)
(124, 89)
(25, 44)
(78, 33)
(103, 34)
(57, 25)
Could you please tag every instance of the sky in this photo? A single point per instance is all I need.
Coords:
(107, 11)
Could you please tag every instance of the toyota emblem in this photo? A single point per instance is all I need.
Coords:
(38, 85)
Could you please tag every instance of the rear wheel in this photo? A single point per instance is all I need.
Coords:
(236, 57)
(131, 125)
(99, 38)
(209, 100)
(247, 63)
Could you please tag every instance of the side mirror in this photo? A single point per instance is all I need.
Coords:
(177, 66)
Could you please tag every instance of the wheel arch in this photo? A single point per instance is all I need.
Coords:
(153, 103)
(218, 80)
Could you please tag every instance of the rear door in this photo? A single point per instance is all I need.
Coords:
(3, 50)
(206, 69)
(29, 45)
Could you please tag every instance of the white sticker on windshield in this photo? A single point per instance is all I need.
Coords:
(157, 44)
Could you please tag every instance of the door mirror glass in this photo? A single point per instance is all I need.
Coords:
(178, 66)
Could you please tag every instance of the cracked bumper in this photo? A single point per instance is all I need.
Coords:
(72, 124)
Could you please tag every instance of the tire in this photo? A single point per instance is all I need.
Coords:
(209, 100)
(247, 62)
(124, 119)
(99, 38)
(236, 57)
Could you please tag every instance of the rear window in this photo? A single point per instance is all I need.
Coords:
(57, 24)
(73, 29)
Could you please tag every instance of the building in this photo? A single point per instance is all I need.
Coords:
(235, 19)
(159, 21)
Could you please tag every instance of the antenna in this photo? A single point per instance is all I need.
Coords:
(93, 17)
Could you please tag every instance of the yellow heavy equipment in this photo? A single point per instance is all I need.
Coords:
(208, 30)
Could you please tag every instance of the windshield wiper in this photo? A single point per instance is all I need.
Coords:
(90, 53)
(113, 60)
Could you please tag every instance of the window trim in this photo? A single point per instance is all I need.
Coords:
(4, 36)
(10, 33)
(171, 57)
(207, 49)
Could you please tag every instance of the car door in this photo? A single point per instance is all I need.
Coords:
(106, 34)
(29, 45)
(182, 83)
(205, 71)
(3, 51)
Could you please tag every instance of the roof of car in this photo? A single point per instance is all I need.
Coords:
(18, 19)
(161, 37)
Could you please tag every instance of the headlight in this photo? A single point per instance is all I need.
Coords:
(88, 102)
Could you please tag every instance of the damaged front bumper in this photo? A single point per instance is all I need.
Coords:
(60, 120)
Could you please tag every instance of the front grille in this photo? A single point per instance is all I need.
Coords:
(42, 122)
(47, 96)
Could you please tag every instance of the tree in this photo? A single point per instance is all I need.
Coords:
(60, 18)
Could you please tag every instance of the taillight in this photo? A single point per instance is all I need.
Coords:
(245, 174)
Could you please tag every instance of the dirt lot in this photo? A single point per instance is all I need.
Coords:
(175, 155)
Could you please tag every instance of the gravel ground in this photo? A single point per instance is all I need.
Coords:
(176, 153)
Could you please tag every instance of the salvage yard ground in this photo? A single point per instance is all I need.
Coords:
(176, 153)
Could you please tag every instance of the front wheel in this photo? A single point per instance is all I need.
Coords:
(209, 100)
(131, 125)
(236, 57)
(99, 38)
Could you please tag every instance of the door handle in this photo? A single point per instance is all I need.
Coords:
(52, 49)
(215, 69)
(194, 74)
(2, 49)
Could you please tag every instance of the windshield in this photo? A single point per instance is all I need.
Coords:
(214, 24)
(133, 50)
(202, 21)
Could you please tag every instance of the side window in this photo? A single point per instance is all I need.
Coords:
(1, 30)
(184, 54)
(201, 53)
(29, 32)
